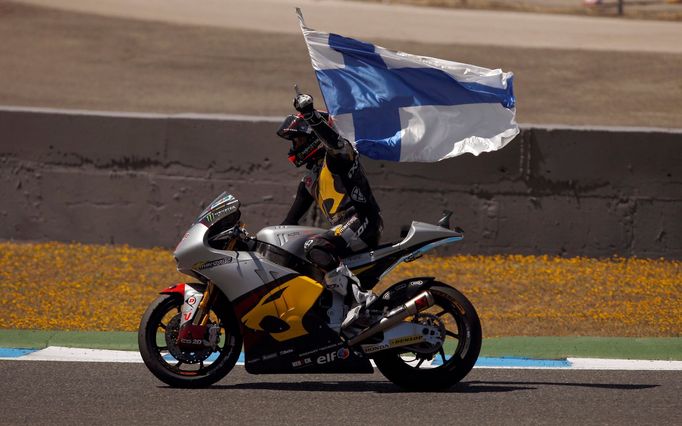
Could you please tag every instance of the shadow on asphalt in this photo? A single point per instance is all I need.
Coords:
(586, 385)
(362, 386)
(388, 387)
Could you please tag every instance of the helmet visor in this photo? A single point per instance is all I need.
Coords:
(293, 126)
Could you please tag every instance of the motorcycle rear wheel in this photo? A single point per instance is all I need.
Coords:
(418, 371)
(192, 372)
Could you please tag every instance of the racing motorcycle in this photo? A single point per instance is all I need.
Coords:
(261, 292)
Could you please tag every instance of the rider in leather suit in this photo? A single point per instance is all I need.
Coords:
(336, 181)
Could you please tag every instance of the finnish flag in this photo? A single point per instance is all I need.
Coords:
(401, 107)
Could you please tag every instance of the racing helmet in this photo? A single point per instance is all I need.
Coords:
(312, 149)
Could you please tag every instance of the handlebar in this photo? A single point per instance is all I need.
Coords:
(236, 232)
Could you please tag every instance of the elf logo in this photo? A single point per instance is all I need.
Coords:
(342, 353)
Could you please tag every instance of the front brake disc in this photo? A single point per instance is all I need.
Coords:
(185, 356)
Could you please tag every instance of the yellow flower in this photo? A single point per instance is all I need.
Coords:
(102, 287)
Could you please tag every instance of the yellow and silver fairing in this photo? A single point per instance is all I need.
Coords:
(288, 302)
(234, 272)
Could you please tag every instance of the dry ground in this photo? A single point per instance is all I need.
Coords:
(636, 9)
(59, 59)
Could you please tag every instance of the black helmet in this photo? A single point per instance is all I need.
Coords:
(312, 150)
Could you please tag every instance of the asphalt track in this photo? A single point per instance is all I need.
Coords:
(83, 393)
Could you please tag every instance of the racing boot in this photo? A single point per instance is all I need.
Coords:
(343, 281)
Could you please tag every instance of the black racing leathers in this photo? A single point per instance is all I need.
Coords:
(301, 204)
(340, 188)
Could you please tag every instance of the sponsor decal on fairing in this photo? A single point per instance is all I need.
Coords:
(343, 353)
(405, 340)
(199, 266)
(368, 349)
(189, 307)
(335, 354)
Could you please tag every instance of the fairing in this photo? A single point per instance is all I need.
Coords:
(281, 304)
(280, 312)
(370, 265)
(290, 238)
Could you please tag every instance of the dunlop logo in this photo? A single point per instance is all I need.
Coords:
(405, 340)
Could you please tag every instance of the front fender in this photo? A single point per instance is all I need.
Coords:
(180, 288)
(403, 291)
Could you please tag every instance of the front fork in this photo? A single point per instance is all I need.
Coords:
(195, 317)
(197, 305)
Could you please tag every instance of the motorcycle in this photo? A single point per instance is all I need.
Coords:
(261, 292)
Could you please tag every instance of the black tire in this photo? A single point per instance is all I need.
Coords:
(193, 375)
(465, 346)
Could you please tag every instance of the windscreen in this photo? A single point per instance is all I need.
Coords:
(222, 206)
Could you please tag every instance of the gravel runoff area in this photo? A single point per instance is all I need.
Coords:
(237, 66)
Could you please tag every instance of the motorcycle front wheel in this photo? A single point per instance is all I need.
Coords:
(431, 369)
(187, 369)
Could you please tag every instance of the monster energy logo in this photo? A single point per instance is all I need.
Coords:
(212, 216)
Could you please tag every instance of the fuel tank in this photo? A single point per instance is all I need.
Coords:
(288, 237)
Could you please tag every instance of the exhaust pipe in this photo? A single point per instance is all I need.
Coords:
(423, 300)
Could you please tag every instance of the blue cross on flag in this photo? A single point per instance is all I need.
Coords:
(401, 107)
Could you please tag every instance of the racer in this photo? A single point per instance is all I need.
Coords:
(336, 182)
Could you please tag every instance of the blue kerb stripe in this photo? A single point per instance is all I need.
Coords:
(15, 353)
(481, 362)
(211, 357)
(521, 362)
(514, 362)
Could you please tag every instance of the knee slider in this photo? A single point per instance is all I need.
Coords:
(322, 253)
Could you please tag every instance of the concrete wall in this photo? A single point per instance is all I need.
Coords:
(115, 178)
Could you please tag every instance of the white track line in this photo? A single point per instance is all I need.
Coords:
(622, 364)
(57, 353)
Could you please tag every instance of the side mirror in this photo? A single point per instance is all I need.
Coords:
(444, 222)
(404, 230)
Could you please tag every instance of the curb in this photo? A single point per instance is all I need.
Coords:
(61, 354)
(551, 348)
